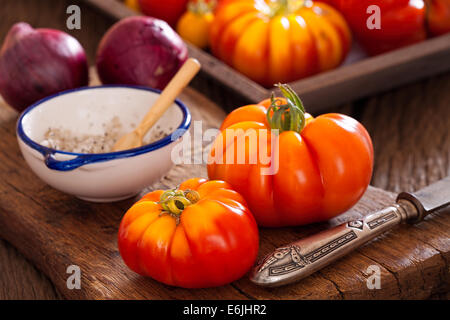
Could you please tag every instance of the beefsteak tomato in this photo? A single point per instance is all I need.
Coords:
(199, 235)
(313, 170)
(273, 41)
(194, 25)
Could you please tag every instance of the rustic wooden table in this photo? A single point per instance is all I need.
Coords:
(410, 127)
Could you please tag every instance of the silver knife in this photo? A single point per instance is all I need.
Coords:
(299, 259)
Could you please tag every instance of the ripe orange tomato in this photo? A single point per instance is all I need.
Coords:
(320, 166)
(199, 235)
(194, 25)
(279, 40)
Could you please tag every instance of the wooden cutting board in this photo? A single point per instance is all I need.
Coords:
(55, 230)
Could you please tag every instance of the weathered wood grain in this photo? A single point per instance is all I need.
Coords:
(55, 230)
(20, 279)
(410, 129)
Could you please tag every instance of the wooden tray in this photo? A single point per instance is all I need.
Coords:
(55, 230)
(358, 77)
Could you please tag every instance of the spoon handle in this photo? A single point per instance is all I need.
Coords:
(181, 79)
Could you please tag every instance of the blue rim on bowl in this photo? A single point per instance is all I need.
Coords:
(87, 158)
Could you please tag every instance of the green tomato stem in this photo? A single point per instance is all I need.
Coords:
(289, 116)
(174, 201)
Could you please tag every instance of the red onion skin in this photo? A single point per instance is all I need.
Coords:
(140, 51)
(35, 63)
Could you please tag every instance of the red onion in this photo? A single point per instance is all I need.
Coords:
(142, 51)
(35, 63)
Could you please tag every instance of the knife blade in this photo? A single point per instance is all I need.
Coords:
(300, 259)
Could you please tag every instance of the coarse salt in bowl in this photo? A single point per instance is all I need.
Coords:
(88, 113)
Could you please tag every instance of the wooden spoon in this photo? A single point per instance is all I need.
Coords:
(167, 97)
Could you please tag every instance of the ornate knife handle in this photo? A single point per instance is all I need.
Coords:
(302, 258)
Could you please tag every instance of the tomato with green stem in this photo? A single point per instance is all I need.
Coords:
(318, 167)
(198, 235)
(272, 41)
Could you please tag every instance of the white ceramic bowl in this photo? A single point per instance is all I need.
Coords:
(99, 177)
